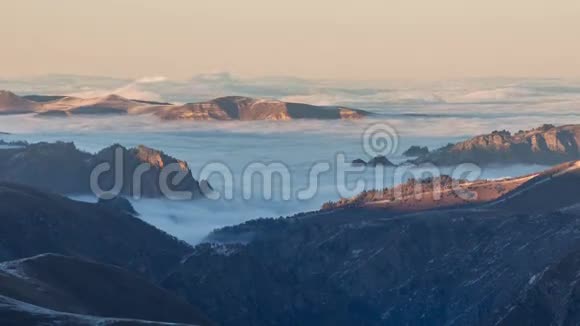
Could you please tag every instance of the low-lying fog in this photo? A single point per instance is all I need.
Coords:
(297, 144)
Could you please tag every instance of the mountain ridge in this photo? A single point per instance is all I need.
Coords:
(223, 108)
(547, 144)
(63, 168)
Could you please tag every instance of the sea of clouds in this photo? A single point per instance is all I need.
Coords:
(430, 114)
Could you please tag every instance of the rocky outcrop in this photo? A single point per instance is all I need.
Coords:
(380, 161)
(150, 182)
(416, 151)
(61, 167)
(359, 162)
(374, 162)
(244, 108)
(544, 145)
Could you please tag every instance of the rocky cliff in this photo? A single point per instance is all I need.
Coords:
(61, 167)
(547, 145)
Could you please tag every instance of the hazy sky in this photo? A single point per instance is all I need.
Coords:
(335, 39)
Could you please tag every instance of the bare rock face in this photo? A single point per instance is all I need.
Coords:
(544, 145)
(151, 180)
(62, 168)
(244, 108)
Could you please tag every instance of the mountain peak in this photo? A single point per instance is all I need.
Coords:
(10, 102)
(114, 97)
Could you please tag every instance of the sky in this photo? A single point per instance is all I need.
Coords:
(323, 39)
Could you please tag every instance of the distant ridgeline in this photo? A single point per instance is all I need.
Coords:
(225, 108)
(545, 145)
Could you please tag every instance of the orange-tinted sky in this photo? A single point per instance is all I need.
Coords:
(335, 39)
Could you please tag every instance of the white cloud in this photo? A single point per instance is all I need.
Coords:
(151, 80)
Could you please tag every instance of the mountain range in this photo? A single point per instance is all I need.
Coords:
(478, 263)
(509, 254)
(224, 108)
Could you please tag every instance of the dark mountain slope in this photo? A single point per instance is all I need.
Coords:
(33, 223)
(18, 313)
(360, 265)
(554, 189)
(73, 285)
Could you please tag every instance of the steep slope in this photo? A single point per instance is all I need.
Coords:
(10, 103)
(556, 188)
(362, 267)
(151, 180)
(544, 145)
(35, 222)
(551, 297)
(72, 285)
